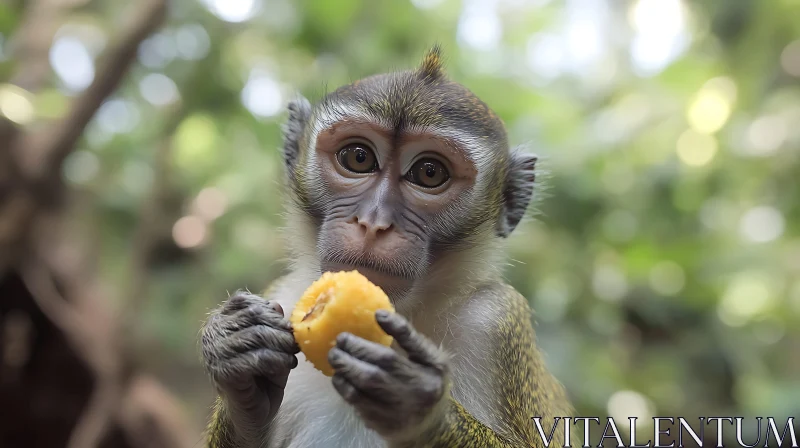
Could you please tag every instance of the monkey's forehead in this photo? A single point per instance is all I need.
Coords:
(404, 101)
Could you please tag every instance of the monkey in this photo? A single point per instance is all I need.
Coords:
(407, 177)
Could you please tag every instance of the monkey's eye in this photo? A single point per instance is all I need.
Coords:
(357, 158)
(428, 173)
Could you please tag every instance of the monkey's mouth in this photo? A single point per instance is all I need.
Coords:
(383, 276)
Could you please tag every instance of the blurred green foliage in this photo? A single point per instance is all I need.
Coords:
(664, 258)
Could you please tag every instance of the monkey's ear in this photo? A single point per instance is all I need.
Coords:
(518, 191)
(299, 113)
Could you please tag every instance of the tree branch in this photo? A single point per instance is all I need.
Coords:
(30, 44)
(61, 140)
(92, 345)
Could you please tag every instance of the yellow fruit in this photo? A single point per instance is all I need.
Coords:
(337, 302)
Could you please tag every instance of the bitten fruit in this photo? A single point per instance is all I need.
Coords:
(335, 303)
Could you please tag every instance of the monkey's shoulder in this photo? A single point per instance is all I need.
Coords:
(498, 300)
(489, 315)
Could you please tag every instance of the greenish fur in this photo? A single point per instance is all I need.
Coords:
(524, 386)
(220, 433)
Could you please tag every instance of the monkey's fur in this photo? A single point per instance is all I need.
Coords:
(464, 370)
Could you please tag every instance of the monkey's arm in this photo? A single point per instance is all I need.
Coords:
(248, 350)
(461, 429)
(511, 381)
(419, 400)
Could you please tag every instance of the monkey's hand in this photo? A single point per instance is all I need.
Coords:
(397, 396)
(248, 350)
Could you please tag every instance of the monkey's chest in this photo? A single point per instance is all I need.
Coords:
(313, 415)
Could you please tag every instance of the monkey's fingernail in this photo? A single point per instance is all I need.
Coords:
(294, 361)
(382, 314)
(276, 306)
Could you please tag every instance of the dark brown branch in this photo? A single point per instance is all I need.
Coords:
(61, 140)
(97, 350)
(30, 44)
(36, 159)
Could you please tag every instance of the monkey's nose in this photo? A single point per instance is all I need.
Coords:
(372, 228)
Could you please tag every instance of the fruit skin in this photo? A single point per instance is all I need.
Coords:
(336, 303)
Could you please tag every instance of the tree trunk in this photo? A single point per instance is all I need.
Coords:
(67, 378)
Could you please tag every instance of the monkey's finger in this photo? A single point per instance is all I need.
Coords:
(418, 347)
(400, 369)
(353, 395)
(371, 352)
(262, 362)
(243, 299)
(348, 392)
(212, 332)
(257, 315)
(257, 337)
(367, 378)
(240, 300)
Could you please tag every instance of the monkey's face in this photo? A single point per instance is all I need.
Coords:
(387, 199)
(399, 171)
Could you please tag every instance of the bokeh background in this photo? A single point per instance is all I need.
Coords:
(663, 260)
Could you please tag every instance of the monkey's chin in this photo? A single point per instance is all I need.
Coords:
(394, 286)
